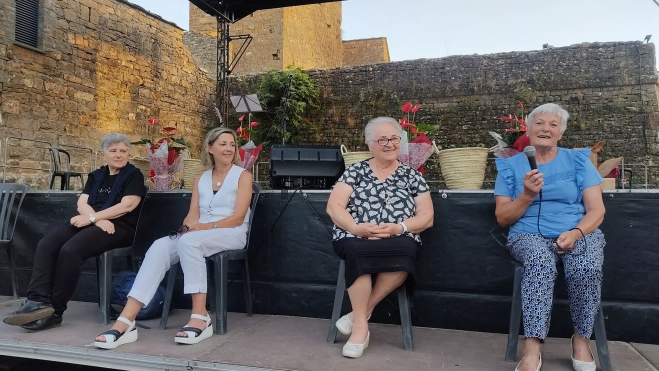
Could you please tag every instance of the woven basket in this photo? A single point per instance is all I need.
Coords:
(191, 169)
(463, 168)
(143, 164)
(353, 157)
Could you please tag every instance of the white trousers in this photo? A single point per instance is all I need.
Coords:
(190, 249)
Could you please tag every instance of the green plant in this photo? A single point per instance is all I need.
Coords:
(303, 98)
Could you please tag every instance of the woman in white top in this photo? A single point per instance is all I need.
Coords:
(217, 221)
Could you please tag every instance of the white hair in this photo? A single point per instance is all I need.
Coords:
(113, 138)
(369, 130)
(550, 108)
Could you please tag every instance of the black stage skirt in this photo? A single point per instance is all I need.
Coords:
(363, 256)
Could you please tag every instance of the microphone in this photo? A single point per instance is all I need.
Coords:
(529, 151)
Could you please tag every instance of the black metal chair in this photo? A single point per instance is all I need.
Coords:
(220, 272)
(63, 172)
(11, 197)
(516, 319)
(104, 269)
(403, 307)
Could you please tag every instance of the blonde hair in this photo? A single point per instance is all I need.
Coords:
(207, 159)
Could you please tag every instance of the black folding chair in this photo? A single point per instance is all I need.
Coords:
(403, 307)
(104, 269)
(62, 171)
(221, 270)
(516, 315)
(11, 197)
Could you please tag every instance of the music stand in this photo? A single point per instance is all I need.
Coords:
(246, 104)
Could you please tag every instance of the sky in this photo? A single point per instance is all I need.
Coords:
(437, 28)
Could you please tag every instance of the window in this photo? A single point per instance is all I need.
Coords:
(27, 22)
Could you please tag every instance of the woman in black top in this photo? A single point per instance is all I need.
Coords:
(106, 220)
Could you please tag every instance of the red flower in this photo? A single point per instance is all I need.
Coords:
(153, 121)
(165, 140)
(171, 156)
(154, 147)
(241, 118)
(520, 104)
(253, 124)
(407, 125)
(522, 128)
(510, 130)
(416, 108)
(169, 129)
(402, 121)
(407, 107)
(240, 130)
(414, 130)
(506, 119)
(152, 174)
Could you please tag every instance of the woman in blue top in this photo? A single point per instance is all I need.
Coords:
(554, 213)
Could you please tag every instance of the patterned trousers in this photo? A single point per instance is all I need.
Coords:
(583, 275)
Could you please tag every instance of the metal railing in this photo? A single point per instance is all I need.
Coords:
(6, 166)
(42, 145)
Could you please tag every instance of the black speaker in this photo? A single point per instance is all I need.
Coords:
(305, 167)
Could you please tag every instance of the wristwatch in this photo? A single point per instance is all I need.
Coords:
(92, 218)
(214, 225)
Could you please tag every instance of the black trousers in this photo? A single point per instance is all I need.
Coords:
(59, 258)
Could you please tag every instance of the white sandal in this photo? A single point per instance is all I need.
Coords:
(196, 335)
(344, 325)
(114, 338)
(352, 350)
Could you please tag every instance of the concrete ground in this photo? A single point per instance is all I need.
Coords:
(286, 343)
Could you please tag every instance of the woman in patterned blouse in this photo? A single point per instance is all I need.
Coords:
(378, 206)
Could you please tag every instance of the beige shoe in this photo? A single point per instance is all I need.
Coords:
(536, 369)
(344, 325)
(581, 365)
(352, 350)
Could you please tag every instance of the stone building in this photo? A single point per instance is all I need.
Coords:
(307, 36)
(72, 71)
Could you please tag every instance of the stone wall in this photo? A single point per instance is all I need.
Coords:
(365, 51)
(610, 90)
(312, 36)
(266, 51)
(308, 36)
(105, 66)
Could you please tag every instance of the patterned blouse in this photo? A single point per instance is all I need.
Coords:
(373, 201)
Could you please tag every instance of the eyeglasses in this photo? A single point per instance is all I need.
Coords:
(179, 232)
(384, 141)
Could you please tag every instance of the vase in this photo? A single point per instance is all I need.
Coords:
(463, 168)
(163, 182)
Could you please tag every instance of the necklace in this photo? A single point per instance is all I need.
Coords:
(220, 178)
(384, 183)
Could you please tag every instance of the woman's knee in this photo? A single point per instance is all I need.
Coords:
(186, 244)
(159, 249)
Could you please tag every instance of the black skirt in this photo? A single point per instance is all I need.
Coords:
(363, 256)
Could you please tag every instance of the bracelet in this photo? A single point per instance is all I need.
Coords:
(578, 229)
(214, 225)
(404, 227)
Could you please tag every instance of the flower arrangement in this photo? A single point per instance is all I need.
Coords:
(416, 152)
(408, 124)
(248, 151)
(164, 155)
(513, 139)
(175, 145)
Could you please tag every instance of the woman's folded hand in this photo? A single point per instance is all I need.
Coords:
(371, 231)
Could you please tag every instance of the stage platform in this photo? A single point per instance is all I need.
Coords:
(268, 342)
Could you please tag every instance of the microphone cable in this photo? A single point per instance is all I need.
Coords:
(560, 251)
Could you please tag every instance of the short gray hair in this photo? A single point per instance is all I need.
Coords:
(113, 138)
(369, 130)
(550, 108)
